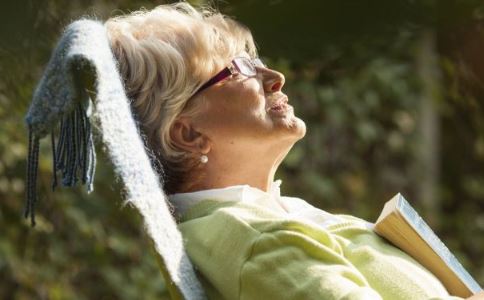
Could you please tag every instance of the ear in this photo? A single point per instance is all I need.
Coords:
(186, 137)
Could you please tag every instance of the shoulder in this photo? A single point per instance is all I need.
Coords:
(244, 224)
(218, 238)
(230, 218)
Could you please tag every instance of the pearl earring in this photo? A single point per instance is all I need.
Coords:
(203, 159)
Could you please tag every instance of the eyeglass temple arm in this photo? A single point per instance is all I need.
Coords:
(218, 77)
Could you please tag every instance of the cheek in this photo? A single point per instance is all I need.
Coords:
(247, 97)
(247, 105)
(235, 109)
(241, 98)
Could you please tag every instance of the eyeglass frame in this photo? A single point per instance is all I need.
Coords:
(232, 69)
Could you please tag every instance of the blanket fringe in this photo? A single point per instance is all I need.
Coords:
(32, 166)
(74, 157)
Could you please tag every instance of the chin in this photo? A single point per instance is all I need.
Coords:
(299, 128)
(293, 128)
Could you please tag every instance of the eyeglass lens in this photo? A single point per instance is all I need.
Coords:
(247, 66)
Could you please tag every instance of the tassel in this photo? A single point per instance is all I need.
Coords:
(54, 161)
(80, 138)
(73, 156)
(70, 180)
(75, 150)
(91, 163)
(66, 174)
(83, 142)
(32, 167)
(60, 146)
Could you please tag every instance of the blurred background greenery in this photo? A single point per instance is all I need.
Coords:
(391, 92)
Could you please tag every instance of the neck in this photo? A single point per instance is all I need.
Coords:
(256, 170)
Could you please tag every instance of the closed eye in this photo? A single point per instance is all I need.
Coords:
(234, 75)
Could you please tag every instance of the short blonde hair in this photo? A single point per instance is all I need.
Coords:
(164, 56)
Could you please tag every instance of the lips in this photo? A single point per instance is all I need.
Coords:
(279, 104)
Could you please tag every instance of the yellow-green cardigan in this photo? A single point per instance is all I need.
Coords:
(245, 250)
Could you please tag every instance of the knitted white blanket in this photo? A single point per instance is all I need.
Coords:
(60, 98)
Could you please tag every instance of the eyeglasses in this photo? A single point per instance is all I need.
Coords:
(242, 65)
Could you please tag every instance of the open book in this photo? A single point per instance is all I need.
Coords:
(402, 226)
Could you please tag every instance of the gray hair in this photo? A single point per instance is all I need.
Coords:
(164, 56)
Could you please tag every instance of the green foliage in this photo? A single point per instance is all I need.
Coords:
(359, 141)
(360, 90)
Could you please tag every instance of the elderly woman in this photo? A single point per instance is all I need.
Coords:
(217, 120)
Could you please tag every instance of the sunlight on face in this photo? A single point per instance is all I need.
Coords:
(250, 113)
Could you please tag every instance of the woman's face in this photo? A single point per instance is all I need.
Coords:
(246, 113)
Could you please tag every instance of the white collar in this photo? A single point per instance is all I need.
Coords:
(291, 207)
(245, 193)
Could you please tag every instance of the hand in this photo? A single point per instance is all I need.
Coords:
(478, 296)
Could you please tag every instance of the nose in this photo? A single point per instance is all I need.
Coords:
(273, 81)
